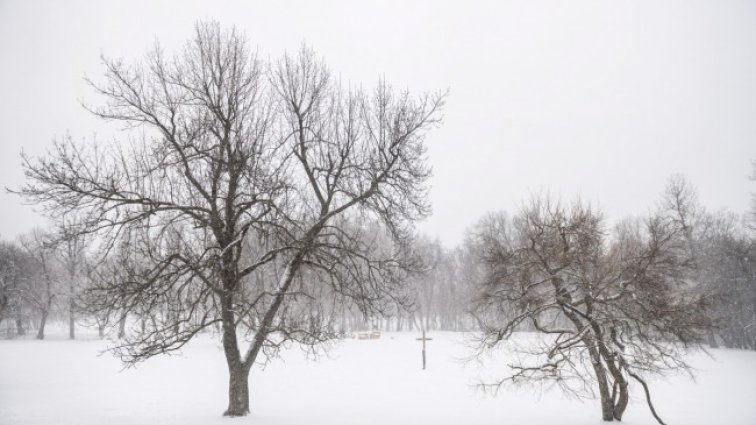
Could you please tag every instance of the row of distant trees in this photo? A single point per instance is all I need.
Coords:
(40, 279)
(719, 253)
(48, 274)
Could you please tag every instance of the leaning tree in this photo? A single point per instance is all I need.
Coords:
(612, 308)
(246, 187)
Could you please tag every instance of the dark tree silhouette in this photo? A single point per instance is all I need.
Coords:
(243, 185)
(613, 309)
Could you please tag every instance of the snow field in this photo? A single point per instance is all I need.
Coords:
(366, 382)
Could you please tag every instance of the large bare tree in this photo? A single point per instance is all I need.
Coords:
(243, 185)
(612, 307)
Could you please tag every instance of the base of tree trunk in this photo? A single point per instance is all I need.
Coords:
(41, 331)
(71, 325)
(20, 330)
(238, 394)
(236, 413)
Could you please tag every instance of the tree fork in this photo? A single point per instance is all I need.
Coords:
(238, 368)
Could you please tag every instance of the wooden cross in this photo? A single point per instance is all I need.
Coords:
(423, 339)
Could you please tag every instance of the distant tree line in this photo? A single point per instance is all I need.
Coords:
(720, 249)
(48, 275)
(42, 275)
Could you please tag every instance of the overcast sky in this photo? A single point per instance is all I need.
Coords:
(598, 99)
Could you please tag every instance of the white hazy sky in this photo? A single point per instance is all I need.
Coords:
(598, 99)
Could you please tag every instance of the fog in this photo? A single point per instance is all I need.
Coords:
(602, 100)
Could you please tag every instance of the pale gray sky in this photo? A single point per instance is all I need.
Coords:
(601, 99)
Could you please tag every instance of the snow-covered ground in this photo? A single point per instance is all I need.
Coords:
(360, 382)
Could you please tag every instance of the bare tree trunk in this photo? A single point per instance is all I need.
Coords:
(122, 326)
(238, 384)
(624, 397)
(42, 322)
(620, 382)
(712, 340)
(101, 330)
(71, 320)
(3, 305)
(238, 391)
(20, 329)
(607, 405)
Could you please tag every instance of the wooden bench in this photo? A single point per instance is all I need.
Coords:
(369, 334)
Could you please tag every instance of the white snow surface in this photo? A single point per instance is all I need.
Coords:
(367, 382)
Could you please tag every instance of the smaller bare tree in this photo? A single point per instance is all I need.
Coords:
(611, 308)
(42, 289)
